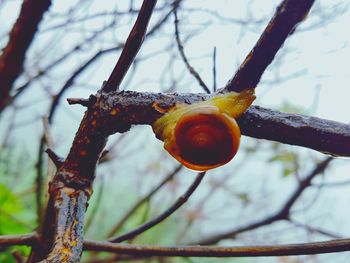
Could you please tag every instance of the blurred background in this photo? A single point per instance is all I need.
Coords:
(75, 50)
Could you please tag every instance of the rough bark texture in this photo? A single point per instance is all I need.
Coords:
(62, 231)
(126, 108)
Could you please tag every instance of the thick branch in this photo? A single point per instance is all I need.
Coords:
(71, 186)
(62, 231)
(21, 36)
(331, 246)
(283, 23)
(123, 109)
(70, 206)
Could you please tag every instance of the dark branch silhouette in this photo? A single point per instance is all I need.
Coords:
(178, 203)
(180, 47)
(20, 38)
(134, 208)
(287, 16)
(132, 46)
(282, 214)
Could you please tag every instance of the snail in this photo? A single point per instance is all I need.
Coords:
(204, 135)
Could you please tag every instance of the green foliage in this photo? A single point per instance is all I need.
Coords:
(17, 210)
(11, 213)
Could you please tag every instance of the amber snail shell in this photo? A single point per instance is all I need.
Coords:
(204, 135)
(204, 138)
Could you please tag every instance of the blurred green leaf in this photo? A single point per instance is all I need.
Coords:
(11, 210)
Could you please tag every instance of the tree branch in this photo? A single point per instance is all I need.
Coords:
(282, 213)
(181, 49)
(287, 16)
(21, 36)
(134, 208)
(62, 230)
(61, 234)
(179, 202)
(27, 239)
(70, 206)
(132, 46)
(123, 109)
(332, 246)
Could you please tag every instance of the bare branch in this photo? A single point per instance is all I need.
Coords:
(132, 46)
(283, 212)
(283, 23)
(27, 239)
(332, 246)
(179, 202)
(21, 36)
(180, 47)
(75, 75)
(80, 101)
(313, 229)
(144, 108)
(134, 208)
(214, 69)
(20, 90)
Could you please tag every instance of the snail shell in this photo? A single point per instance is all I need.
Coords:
(204, 135)
(204, 138)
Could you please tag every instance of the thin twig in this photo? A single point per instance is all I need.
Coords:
(180, 47)
(214, 70)
(70, 81)
(59, 61)
(134, 208)
(132, 46)
(179, 202)
(315, 229)
(282, 214)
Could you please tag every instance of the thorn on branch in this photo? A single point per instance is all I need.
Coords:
(57, 160)
(84, 102)
(104, 156)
